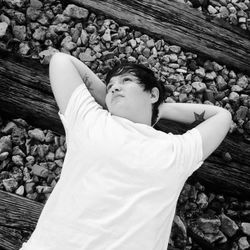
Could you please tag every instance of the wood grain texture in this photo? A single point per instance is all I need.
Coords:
(26, 92)
(181, 25)
(18, 218)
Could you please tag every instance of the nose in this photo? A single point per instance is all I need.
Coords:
(116, 87)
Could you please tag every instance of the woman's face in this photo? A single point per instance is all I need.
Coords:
(126, 97)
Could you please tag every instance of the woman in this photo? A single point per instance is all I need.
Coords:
(121, 178)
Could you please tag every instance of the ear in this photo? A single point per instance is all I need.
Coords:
(154, 95)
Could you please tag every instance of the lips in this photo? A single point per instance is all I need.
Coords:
(115, 96)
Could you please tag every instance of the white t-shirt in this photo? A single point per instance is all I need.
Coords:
(119, 183)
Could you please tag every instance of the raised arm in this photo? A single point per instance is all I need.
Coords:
(214, 126)
(67, 73)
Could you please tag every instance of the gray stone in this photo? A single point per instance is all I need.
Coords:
(236, 88)
(144, 38)
(3, 29)
(33, 13)
(84, 37)
(212, 10)
(234, 97)
(231, 8)
(122, 31)
(173, 57)
(30, 159)
(150, 43)
(132, 43)
(208, 65)
(224, 12)
(245, 227)
(4, 19)
(50, 156)
(40, 171)
(221, 83)
(74, 11)
(29, 187)
(208, 225)
(199, 86)
(59, 28)
(210, 76)
(40, 33)
(18, 160)
(228, 226)
(181, 70)
(32, 196)
(21, 122)
(15, 3)
(19, 32)
(60, 18)
(10, 184)
(59, 154)
(17, 151)
(241, 113)
(202, 200)
(233, 19)
(209, 95)
(218, 237)
(200, 72)
(68, 44)
(8, 128)
(40, 151)
(183, 97)
(146, 52)
(242, 6)
(175, 49)
(59, 163)
(243, 243)
(36, 134)
(86, 56)
(159, 44)
(44, 189)
(49, 136)
(20, 191)
(241, 21)
(3, 156)
(24, 48)
(173, 65)
(242, 82)
(91, 29)
(43, 20)
(36, 4)
(106, 36)
(5, 144)
(232, 74)
(227, 157)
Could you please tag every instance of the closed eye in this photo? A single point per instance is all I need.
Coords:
(126, 79)
(108, 87)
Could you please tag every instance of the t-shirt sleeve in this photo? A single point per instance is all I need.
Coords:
(188, 150)
(80, 105)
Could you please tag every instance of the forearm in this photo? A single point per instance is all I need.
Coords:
(188, 112)
(212, 122)
(94, 84)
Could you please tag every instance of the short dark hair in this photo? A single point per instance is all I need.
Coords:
(145, 77)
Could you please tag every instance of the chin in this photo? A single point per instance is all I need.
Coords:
(119, 113)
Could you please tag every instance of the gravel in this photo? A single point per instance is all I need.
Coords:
(31, 159)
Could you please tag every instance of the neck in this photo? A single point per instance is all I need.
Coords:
(144, 118)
